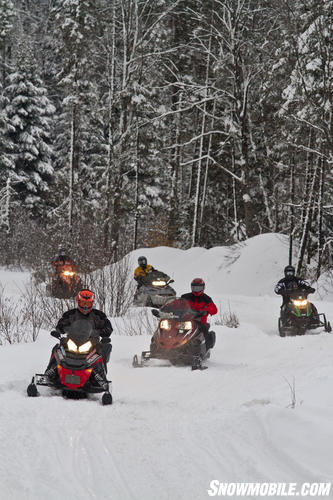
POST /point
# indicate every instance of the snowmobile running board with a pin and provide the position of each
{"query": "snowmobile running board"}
(146, 356)
(42, 379)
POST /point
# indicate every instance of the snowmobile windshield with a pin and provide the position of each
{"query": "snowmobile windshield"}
(299, 294)
(80, 330)
(156, 276)
(179, 309)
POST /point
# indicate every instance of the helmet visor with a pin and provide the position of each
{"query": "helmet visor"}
(197, 287)
(290, 273)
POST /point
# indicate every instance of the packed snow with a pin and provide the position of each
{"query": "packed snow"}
(171, 431)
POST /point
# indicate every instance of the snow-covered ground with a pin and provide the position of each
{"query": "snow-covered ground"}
(171, 431)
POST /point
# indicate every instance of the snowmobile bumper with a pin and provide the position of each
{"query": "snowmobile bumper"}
(88, 388)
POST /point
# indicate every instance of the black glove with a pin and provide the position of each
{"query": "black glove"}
(55, 334)
(105, 340)
(311, 290)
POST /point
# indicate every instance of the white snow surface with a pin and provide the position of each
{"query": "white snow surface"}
(171, 431)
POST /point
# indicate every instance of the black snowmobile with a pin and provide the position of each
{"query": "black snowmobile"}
(300, 315)
(154, 290)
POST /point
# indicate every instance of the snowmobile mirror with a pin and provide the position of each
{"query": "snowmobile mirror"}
(55, 334)
(155, 312)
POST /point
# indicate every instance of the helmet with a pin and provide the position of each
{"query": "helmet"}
(85, 300)
(198, 286)
(62, 251)
(289, 272)
(142, 261)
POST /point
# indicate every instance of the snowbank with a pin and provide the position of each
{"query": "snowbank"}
(250, 268)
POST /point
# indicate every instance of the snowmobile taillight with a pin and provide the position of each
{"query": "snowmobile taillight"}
(165, 324)
(158, 283)
(300, 303)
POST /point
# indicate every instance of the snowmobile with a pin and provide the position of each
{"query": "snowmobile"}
(300, 316)
(178, 338)
(155, 290)
(64, 285)
(78, 368)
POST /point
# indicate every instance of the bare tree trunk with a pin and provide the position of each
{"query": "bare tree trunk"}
(235, 208)
(201, 144)
(307, 221)
(136, 200)
(320, 244)
(71, 170)
(292, 214)
(173, 209)
(110, 164)
(267, 206)
(204, 193)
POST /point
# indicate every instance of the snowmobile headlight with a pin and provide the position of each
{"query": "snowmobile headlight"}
(186, 325)
(71, 345)
(68, 273)
(85, 347)
(165, 324)
(158, 283)
(300, 303)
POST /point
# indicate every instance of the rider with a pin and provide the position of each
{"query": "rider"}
(102, 326)
(142, 270)
(201, 302)
(288, 284)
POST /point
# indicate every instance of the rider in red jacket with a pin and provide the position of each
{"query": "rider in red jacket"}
(201, 302)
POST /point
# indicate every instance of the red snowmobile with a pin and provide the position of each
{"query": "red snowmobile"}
(178, 338)
(78, 365)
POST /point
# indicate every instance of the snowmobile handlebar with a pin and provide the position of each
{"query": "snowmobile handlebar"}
(55, 334)
(301, 289)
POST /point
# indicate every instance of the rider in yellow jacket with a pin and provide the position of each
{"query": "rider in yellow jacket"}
(142, 270)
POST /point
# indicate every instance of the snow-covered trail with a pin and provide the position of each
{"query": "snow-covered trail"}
(171, 431)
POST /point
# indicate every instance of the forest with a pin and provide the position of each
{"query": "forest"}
(139, 123)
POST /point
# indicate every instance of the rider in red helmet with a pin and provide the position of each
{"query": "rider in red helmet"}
(102, 326)
(201, 302)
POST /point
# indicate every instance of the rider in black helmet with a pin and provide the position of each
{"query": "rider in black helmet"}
(288, 284)
(142, 270)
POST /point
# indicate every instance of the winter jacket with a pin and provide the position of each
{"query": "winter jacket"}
(141, 272)
(201, 303)
(101, 324)
(286, 286)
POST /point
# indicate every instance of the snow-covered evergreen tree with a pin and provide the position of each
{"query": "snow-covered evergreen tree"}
(28, 114)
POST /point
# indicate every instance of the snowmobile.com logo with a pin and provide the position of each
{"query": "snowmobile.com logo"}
(275, 490)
